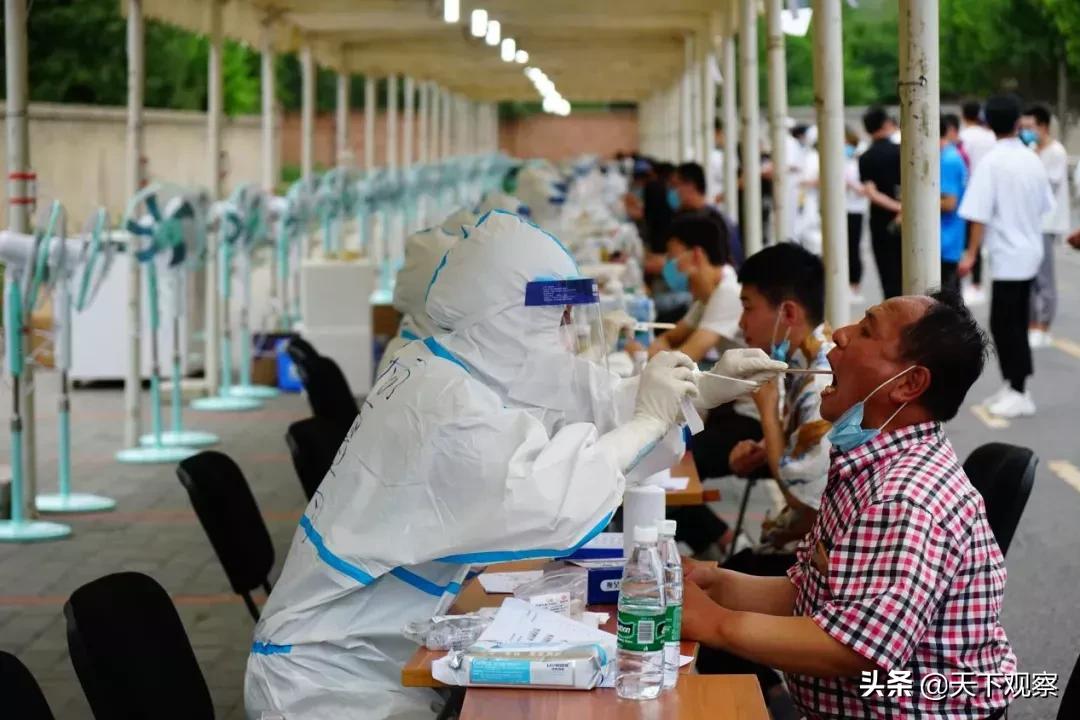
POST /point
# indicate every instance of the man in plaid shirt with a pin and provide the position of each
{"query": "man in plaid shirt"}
(900, 576)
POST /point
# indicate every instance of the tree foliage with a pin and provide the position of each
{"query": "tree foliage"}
(78, 55)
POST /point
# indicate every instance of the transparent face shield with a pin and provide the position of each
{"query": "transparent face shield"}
(572, 375)
(581, 329)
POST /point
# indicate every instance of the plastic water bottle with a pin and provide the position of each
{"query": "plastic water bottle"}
(673, 595)
(640, 653)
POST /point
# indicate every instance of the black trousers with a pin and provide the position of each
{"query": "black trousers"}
(854, 241)
(976, 272)
(885, 241)
(949, 279)
(1009, 317)
(698, 526)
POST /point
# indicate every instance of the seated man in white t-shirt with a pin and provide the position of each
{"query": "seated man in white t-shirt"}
(697, 250)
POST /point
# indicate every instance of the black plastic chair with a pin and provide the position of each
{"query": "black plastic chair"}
(313, 443)
(300, 350)
(328, 392)
(1069, 709)
(229, 515)
(22, 694)
(131, 653)
(1003, 474)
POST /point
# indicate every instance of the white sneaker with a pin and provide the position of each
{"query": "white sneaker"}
(1013, 404)
(1036, 338)
(997, 395)
(974, 295)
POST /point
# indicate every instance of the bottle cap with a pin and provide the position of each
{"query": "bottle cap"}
(667, 528)
(644, 534)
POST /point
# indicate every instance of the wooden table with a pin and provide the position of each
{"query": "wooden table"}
(704, 697)
(693, 493)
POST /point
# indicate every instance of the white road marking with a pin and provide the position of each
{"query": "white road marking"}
(1067, 346)
(1067, 472)
(992, 422)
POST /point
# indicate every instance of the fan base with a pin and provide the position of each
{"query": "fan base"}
(149, 455)
(74, 502)
(220, 403)
(181, 438)
(253, 391)
(32, 531)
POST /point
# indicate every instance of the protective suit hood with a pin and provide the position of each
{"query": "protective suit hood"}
(424, 251)
(495, 200)
(456, 222)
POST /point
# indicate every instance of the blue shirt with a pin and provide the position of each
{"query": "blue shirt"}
(954, 177)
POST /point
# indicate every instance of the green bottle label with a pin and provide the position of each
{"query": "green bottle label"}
(673, 624)
(642, 632)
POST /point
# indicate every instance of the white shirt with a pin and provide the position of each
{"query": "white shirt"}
(977, 141)
(720, 314)
(714, 182)
(856, 202)
(1056, 162)
(1010, 193)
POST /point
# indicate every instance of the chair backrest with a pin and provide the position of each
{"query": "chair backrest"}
(300, 350)
(131, 653)
(22, 696)
(328, 392)
(1069, 709)
(313, 444)
(229, 515)
(1003, 474)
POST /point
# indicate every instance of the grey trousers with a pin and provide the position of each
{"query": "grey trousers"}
(1044, 297)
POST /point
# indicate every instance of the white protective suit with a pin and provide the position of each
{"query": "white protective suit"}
(450, 465)
(496, 200)
(540, 187)
(423, 252)
(456, 222)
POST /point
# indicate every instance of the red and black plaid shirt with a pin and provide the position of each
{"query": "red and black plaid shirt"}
(901, 567)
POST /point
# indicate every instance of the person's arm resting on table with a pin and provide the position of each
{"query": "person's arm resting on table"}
(885, 576)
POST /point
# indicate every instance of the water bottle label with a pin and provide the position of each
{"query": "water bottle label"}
(642, 633)
(673, 623)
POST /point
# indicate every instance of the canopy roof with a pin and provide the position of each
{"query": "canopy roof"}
(593, 50)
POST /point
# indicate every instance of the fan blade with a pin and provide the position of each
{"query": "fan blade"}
(136, 228)
(152, 207)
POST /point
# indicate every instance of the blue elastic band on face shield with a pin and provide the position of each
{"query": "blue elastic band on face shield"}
(582, 291)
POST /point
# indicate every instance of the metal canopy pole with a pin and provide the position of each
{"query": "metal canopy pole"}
(829, 94)
(731, 124)
(751, 130)
(391, 129)
(447, 150)
(407, 129)
(212, 324)
(920, 152)
(341, 122)
(307, 112)
(708, 102)
(422, 118)
(370, 111)
(269, 166)
(135, 150)
(778, 110)
(686, 102)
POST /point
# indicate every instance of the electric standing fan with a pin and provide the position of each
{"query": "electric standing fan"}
(232, 224)
(193, 236)
(87, 263)
(25, 258)
(157, 219)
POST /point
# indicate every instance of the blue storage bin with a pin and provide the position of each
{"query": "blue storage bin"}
(288, 377)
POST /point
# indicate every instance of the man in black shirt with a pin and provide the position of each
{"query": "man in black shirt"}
(688, 189)
(879, 169)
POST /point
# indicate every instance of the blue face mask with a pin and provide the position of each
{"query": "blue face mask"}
(673, 199)
(676, 279)
(1028, 136)
(849, 151)
(780, 350)
(847, 432)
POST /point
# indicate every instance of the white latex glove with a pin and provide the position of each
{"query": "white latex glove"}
(740, 370)
(665, 382)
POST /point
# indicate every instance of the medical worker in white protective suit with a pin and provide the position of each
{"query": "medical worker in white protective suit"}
(461, 456)
(498, 200)
(423, 251)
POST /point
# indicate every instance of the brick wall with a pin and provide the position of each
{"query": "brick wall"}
(540, 135)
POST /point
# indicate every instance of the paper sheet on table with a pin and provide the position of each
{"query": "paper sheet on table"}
(519, 622)
(507, 582)
(666, 480)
